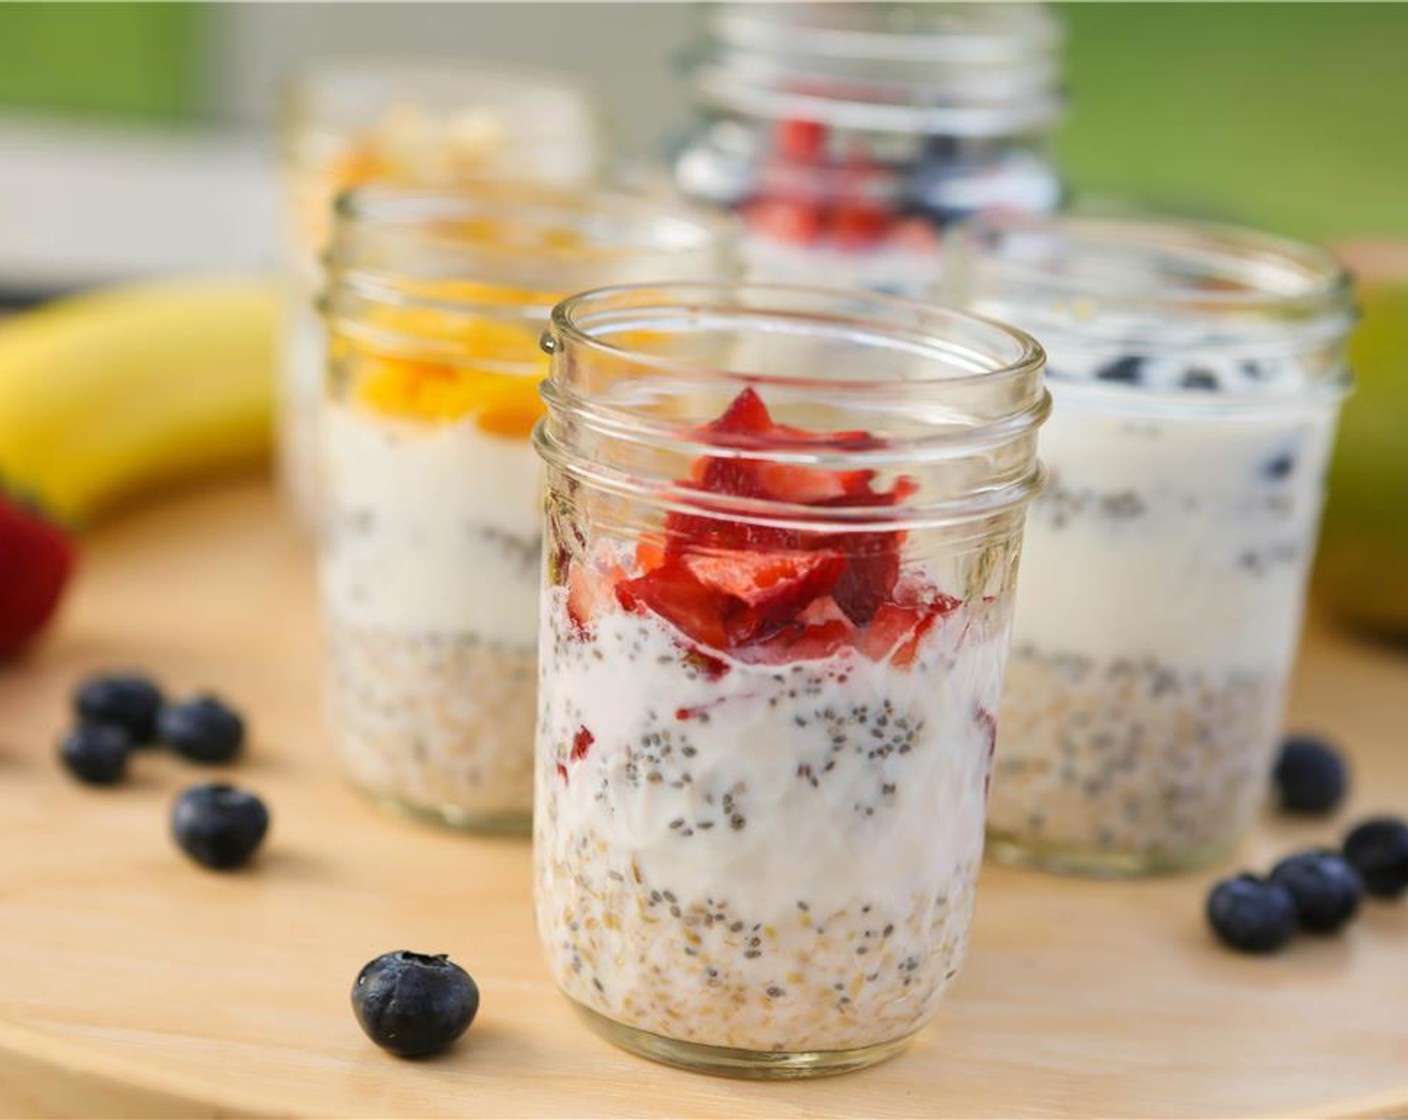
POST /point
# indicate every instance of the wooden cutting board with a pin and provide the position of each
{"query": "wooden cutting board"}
(133, 983)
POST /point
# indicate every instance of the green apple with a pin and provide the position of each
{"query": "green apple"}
(1362, 571)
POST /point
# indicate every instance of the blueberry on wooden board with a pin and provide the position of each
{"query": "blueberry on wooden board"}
(203, 729)
(218, 825)
(96, 753)
(128, 700)
(1327, 890)
(1252, 915)
(414, 1004)
(1378, 849)
(1311, 775)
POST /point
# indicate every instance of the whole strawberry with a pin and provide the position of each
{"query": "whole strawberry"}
(36, 559)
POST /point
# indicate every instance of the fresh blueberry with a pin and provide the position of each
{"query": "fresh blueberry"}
(96, 753)
(1199, 379)
(1378, 849)
(202, 729)
(1280, 467)
(413, 1004)
(1311, 775)
(1251, 914)
(1326, 889)
(1129, 370)
(218, 825)
(125, 699)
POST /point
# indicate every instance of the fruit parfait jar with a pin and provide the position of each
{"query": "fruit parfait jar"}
(849, 136)
(782, 534)
(413, 122)
(432, 537)
(1197, 374)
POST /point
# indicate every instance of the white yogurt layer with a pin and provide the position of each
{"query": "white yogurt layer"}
(431, 528)
(1159, 604)
(1184, 540)
(778, 858)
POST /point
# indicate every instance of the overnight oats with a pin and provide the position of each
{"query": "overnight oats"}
(432, 539)
(409, 122)
(849, 137)
(1196, 374)
(774, 626)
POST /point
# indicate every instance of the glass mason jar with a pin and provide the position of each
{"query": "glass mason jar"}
(413, 122)
(1197, 373)
(782, 533)
(849, 135)
(432, 535)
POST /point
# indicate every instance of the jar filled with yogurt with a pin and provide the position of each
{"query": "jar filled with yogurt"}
(430, 552)
(412, 122)
(850, 135)
(1197, 373)
(782, 535)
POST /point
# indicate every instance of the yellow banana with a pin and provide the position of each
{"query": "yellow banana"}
(108, 394)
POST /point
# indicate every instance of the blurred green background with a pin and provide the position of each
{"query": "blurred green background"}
(1289, 116)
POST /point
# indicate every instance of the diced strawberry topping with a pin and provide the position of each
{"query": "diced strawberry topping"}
(795, 221)
(859, 225)
(581, 744)
(800, 139)
(763, 590)
(767, 593)
(746, 413)
(672, 592)
(712, 667)
(590, 590)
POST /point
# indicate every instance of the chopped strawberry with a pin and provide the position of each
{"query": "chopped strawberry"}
(673, 592)
(650, 553)
(765, 590)
(589, 592)
(746, 413)
(712, 667)
(822, 610)
(691, 531)
(801, 642)
(795, 221)
(801, 140)
(788, 482)
(868, 581)
(897, 628)
(561, 772)
(36, 558)
(581, 744)
(859, 225)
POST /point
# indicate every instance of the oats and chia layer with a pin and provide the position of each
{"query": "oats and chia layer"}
(774, 857)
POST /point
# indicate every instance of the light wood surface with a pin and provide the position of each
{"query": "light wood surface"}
(132, 983)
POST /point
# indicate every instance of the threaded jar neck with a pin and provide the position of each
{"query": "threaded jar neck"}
(641, 377)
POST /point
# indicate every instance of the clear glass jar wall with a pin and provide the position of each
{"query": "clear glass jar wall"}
(431, 546)
(850, 135)
(411, 122)
(782, 534)
(1197, 374)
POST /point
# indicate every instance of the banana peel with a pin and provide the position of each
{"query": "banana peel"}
(111, 394)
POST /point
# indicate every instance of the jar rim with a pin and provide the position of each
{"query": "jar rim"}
(608, 227)
(696, 298)
(931, 69)
(1239, 269)
(1154, 286)
(965, 426)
